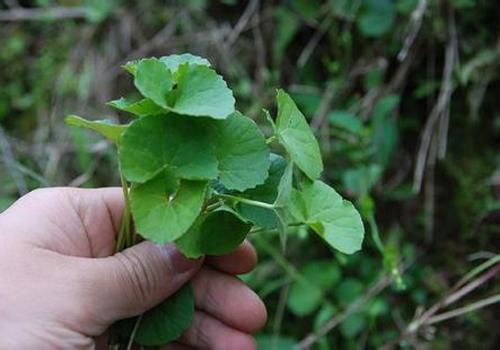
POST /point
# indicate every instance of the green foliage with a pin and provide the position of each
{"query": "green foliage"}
(163, 323)
(338, 60)
(187, 136)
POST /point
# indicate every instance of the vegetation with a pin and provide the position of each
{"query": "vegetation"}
(401, 95)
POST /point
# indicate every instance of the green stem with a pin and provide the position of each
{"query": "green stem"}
(124, 238)
(247, 201)
(375, 233)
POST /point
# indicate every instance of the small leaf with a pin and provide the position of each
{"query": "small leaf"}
(267, 193)
(321, 276)
(331, 217)
(140, 108)
(107, 129)
(200, 92)
(163, 211)
(276, 342)
(174, 61)
(154, 143)
(297, 138)
(164, 323)
(377, 17)
(242, 153)
(154, 80)
(217, 233)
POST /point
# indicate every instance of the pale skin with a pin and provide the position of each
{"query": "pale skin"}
(61, 286)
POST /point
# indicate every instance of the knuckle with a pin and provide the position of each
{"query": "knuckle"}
(135, 275)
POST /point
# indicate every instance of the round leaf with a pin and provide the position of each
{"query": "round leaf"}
(162, 212)
(158, 142)
(164, 323)
(201, 92)
(242, 153)
(218, 233)
(154, 80)
(174, 61)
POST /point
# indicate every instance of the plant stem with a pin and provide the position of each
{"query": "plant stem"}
(375, 233)
(247, 201)
(134, 332)
(463, 310)
(124, 239)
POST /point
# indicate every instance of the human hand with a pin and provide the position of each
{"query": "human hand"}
(62, 287)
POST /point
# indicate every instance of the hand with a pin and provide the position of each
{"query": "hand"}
(62, 287)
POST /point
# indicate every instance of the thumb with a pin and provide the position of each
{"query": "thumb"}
(133, 281)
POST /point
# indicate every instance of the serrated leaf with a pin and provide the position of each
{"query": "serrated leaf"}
(304, 298)
(154, 143)
(242, 153)
(154, 80)
(139, 108)
(200, 92)
(107, 129)
(267, 193)
(174, 61)
(162, 210)
(216, 233)
(331, 217)
(164, 323)
(295, 135)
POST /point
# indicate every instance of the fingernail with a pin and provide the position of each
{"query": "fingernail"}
(179, 263)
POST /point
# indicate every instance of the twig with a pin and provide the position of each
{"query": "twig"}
(463, 310)
(313, 43)
(251, 8)
(456, 293)
(375, 289)
(157, 40)
(415, 25)
(280, 311)
(438, 111)
(40, 14)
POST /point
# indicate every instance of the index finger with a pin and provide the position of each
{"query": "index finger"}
(240, 261)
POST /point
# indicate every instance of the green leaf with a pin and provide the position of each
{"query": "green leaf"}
(385, 129)
(201, 92)
(377, 17)
(107, 129)
(353, 325)
(174, 61)
(348, 291)
(216, 233)
(267, 192)
(346, 121)
(140, 108)
(304, 297)
(154, 80)
(164, 208)
(242, 153)
(164, 323)
(271, 342)
(331, 217)
(285, 187)
(154, 143)
(297, 138)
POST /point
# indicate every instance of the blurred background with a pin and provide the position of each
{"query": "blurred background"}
(403, 96)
